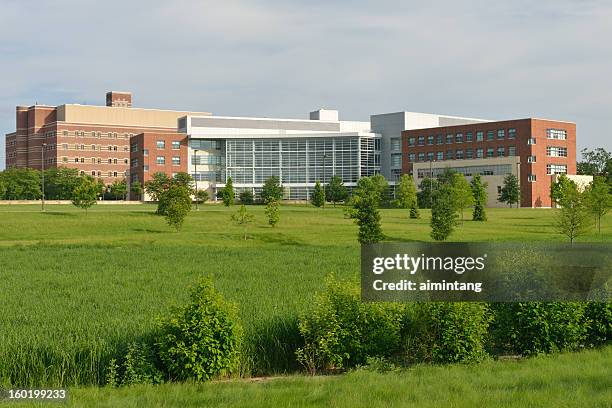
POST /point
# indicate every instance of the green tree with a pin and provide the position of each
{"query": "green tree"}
(2, 188)
(176, 204)
(598, 199)
(243, 218)
(136, 189)
(510, 192)
(573, 220)
(443, 212)
(594, 162)
(118, 189)
(336, 191)
(462, 192)
(272, 190)
(380, 186)
(85, 194)
(272, 212)
(318, 196)
(22, 184)
(426, 189)
(60, 183)
(479, 191)
(183, 179)
(366, 200)
(201, 196)
(156, 185)
(227, 193)
(561, 188)
(246, 197)
(405, 195)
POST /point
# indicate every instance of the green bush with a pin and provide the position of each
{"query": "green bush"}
(139, 366)
(200, 340)
(598, 316)
(536, 327)
(246, 197)
(447, 332)
(340, 331)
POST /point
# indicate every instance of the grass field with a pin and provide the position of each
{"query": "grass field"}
(75, 289)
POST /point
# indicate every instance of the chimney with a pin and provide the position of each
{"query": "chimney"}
(121, 99)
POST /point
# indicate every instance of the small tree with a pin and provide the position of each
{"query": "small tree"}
(510, 192)
(598, 199)
(365, 211)
(463, 193)
(246, 197)
(560, 189)
(136, 189)
(336, 191)
(380, 186)
(573, 219)
(243, 218)
(227, 193)
(273, 213)
(479, 191)
(156, 185)
(85, 194)
(272, 190)
(201, 196)
(318, 196)
(426, 189)
(176, 204)
(405, 195)
(118, 189)
(443, 212)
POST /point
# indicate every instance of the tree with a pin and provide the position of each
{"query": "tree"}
(443, 212)
(560, 189)
(573, 220)
(272, 211)
(380, 186)
(201, 196)
(21, 184)
(85, 194)
(598, 199)
(183, 179)
(136, 189)
(118, 189)
(595, 162)
(462, 192)
(336, 191)
(272, 190)
(318, 196)
(479, 192)
(426, 189)
(227, 193)
(366, 200)
(246, 197)
(176, 204)
(243, 218)
(510, 192)
(60, 183)
(156, 185)
(405, 195)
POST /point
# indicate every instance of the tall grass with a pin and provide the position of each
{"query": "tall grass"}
(74, 290)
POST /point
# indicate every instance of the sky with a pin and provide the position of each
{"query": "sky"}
(475, 58)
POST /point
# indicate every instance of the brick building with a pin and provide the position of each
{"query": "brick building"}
(94, 139)
(535, 149)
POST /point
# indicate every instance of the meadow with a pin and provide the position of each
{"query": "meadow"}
(77, 288)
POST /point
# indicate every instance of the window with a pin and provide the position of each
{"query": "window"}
(421, 156)
(469, 154)
(531, 159)
(110, 161)
(176, 160)
(449, 155)
(76, 159)
(65, 146)
(558, 134)
(468, 137)
(459, 155)
(501, 133)
(115, 148)
(161, 144)
(396, 160)
(114, 172)
(479, 136)
(501, 151)
(430, 156)
(490, 152)
(411, 157)
(531, 141)
(511, 133)
(93, 173)
(145, 167)
(531, 178)
(125, 161)
(511, 150)
(490, 134)
(440, 139)
(421, 140)
(82, 160)
(93, 160)
(161, 160)
(440, 156)
(395, 144)
(556, 169)
(430, 140)
(459, 138)
(449, 139)
(145, 152)
(556, 151)
(411, 141)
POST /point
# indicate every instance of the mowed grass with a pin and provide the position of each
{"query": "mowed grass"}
(76, 288)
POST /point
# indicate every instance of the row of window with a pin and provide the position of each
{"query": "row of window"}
(109, 174)
(99, 135)
(468, 171)
(458, 154)
(556, 151)
(461, 137)
(161, 160)
(93, 147)
(96, 160)
(161, 144)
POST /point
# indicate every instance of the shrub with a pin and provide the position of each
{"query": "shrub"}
(246, 197)
(174, 204)
(340, 331)
(200, 340)
(598, 316)
(273, 213)
(139, 366)
(447, 332)
(535, 327)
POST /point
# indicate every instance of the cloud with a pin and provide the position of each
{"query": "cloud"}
(489, 59)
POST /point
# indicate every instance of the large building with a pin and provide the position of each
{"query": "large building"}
(119, 141)
(533, 149)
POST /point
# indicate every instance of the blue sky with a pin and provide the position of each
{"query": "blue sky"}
(486, 59)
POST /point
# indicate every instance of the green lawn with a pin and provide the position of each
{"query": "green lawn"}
(75, 288)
